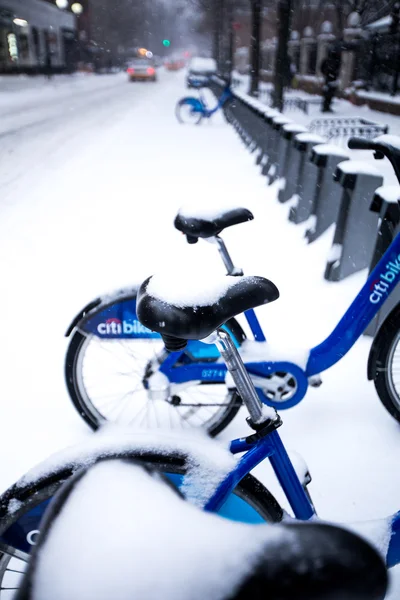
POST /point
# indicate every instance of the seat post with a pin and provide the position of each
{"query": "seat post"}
(223, 251)
(259, 414)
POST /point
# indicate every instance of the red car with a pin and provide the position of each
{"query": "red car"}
(174, 65)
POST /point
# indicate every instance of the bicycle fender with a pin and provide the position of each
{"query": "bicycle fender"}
(115, 318)
(191, 101)
(76, 320)
(97, 305)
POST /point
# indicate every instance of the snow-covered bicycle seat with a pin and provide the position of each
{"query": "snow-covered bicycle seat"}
(121, 531)
(185, 306)
(207, 222)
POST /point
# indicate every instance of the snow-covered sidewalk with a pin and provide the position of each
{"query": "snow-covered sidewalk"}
(96, 212)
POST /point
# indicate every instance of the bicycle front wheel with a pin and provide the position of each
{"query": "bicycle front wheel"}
(22, 508)
(188, 114)
(387, 365)
(105, 380)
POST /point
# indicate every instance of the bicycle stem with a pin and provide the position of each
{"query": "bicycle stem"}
(240, 377)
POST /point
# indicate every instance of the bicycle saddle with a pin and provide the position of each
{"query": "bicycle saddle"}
(383, 145)
(197, 223)
(181, 308)
(119, 531)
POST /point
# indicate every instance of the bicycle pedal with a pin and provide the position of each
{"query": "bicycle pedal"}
(315, 381)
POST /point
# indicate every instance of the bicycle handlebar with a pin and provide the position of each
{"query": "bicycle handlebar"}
(356, 143)
(384, 145)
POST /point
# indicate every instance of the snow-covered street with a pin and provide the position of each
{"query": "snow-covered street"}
(92, 172)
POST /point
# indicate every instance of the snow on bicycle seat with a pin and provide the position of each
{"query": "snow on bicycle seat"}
(121, 531)
(187, 306)
(203, 222)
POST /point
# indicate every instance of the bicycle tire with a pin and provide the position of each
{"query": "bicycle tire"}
(86, 408)
(197, 116)
(386, 346)
(27, 497)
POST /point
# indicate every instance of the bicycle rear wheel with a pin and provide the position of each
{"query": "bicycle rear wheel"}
(105, 380)
(22, 508)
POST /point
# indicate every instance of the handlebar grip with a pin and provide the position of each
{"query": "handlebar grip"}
(358, 143)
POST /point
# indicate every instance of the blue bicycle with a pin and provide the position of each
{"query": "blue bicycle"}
(193, 110)
(117, 370)
(280, 559)
(207, 474)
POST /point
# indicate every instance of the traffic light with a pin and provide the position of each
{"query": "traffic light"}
(166, 43)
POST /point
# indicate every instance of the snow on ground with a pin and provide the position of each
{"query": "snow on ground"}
(88, 196)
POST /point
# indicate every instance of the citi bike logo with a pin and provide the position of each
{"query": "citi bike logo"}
(380, 286)
(117, 327)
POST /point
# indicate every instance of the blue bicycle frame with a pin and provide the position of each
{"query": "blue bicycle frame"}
(225, 96)
(199, 105)
(271, 447)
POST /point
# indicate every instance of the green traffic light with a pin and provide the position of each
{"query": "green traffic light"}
(166, 43)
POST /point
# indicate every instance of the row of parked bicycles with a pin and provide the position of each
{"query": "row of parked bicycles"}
(166, 361)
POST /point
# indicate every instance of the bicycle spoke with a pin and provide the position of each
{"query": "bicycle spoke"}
(115, 392)
(15, 571)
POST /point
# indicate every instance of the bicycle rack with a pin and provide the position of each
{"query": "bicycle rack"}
(287, 164)
(356, 226)
(334, 128)
(303, 182)
(325, 201)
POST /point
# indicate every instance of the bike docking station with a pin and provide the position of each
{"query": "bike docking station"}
(270, 135)
(320, 181)
(325, 209)
(271, 167)
(356, 225)
(302, 177)
(264, 136)
(286, 167)
(385, 203)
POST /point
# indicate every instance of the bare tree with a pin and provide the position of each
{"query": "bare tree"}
(282, 62)
(212, 15)
(255, 46)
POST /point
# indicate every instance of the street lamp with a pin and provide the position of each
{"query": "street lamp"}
(77, 8)
(62, 4)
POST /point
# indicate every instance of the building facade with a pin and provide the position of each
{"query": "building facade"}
(36, 36)
(370, 52)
